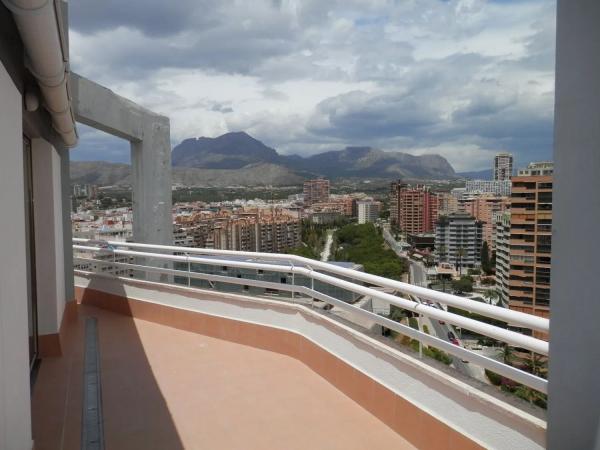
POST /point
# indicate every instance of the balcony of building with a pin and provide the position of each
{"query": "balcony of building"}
(193, 358)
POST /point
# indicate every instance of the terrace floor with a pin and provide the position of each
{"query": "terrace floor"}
(164, 388)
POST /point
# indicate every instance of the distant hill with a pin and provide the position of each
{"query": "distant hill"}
(229, 151)
(238, 150)
(486, 174)
(367, 162)
(260, 174)
(100, 173)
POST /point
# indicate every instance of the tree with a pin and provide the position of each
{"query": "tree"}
(464, 284)
(485, 258)
(490, 294)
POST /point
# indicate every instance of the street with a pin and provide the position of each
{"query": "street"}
(418, 277)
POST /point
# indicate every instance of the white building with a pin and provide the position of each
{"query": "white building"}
(534, 169)
(458, 240)
(498, 187)
(502, 240)
(368, 211)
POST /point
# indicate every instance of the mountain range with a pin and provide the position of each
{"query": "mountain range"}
(239, 159)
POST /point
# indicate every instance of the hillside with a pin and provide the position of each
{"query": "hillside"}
(239, 159)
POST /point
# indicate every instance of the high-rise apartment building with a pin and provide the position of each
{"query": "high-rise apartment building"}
(531, 239)
(503, 166)
(368, 211)
(502, 241)
(458, 240)
(483, 208)
(316, 191)
(413, 209)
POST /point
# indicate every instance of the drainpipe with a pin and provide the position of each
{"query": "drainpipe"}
(38, 26)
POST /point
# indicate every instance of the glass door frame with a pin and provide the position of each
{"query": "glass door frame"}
(32, 309)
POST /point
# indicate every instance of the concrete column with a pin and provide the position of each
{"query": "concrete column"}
(574, 389)
(151, 173)
(15, 410)
(65, 176)
(49, 244)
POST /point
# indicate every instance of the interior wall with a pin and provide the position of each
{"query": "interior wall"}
(15, 410)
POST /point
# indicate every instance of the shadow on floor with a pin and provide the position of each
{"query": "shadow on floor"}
(135, 413)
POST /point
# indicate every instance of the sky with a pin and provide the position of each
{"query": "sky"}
(461, 78)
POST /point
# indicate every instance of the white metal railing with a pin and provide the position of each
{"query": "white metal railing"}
(330, 274)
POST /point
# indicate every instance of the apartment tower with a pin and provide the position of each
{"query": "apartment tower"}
(316, 191)
(503, 166)
(531, 239)
(502, 241)
(413, 209)
(458, 240)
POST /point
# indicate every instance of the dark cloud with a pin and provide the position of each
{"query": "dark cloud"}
(151, 17)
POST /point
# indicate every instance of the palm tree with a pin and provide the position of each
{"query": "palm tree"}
(460, 253)
(507, 354)
(537, 365)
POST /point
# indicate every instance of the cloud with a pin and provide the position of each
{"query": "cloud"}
(465, 78)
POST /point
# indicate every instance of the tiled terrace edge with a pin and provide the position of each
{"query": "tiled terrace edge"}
(424, 405)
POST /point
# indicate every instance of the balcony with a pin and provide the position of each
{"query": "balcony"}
(166, 386)
(184, 363)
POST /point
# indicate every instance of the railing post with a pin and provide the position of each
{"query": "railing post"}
(293, 281)
(189, 269)
(420, 342)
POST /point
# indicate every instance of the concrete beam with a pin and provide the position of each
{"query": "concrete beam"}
(102, 109)
(150, 138)
(574, 391)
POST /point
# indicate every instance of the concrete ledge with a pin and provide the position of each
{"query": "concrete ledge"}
(424, 405)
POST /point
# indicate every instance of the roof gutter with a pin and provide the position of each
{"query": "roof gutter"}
(38, 26)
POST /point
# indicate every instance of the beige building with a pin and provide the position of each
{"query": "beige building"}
(483, 208)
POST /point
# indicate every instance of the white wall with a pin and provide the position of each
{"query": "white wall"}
(49, 248)
(574, 390)
(15, 414)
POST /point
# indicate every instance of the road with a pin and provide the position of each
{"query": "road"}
(418, 273)
(327, 248)
(418, 277)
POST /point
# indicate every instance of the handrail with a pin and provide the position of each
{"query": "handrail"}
(511, 337)
(514, 318)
